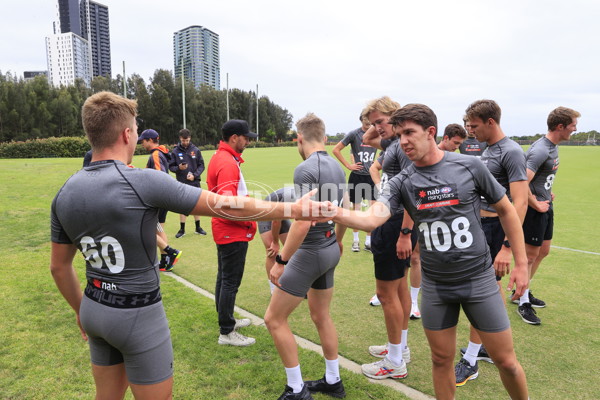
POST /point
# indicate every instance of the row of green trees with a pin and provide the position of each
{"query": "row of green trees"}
(34, 109)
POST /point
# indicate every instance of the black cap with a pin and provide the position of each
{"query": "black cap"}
(237, 127)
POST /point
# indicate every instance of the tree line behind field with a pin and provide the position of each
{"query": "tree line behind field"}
(35, 110)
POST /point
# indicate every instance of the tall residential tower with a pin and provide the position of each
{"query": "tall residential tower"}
(80, 45)
(197, 49)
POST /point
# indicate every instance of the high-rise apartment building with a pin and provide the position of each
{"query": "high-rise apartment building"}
(80, 45)
(197, 50)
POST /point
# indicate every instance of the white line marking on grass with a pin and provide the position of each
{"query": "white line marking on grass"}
(579, 251)
(306, 344)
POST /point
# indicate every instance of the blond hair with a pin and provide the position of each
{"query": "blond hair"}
(311, 127)
(384, 105)
(105, 115)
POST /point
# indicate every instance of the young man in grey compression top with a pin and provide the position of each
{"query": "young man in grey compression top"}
(360, 183)
(442, 192)
(109, 212)
(306, 265)
(505, 159)
(542, 166)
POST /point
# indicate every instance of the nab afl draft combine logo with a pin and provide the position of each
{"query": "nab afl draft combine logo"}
(436, 196)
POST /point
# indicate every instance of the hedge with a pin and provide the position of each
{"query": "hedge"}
(78, 146)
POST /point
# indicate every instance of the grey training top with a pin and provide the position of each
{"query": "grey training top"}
(542, 159)
(320, 171)
(394, 162)
(110, 211)
(444, 200)
(506, 161)
(472, 147)
(361, 152)
(285, 194)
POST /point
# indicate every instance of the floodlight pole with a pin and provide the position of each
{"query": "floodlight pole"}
(257, 110)
(124, 82)
(183, 93)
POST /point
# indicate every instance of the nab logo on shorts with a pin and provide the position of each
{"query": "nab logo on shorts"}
(436, 196)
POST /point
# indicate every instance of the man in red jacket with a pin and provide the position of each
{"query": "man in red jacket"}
(232, 237)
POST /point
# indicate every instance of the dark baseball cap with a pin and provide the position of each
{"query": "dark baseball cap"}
(237, 127)
(148, 134)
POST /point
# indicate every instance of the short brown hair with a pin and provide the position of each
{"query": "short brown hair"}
(105, 115)
(455, 130)
(384, 105)
(484, 110)
(561, 115)
(311, 127)
(420, 114)
(184, 133)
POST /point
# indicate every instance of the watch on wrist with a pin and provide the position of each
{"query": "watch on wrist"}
(506, 244)
(406, 231)
(279, 260)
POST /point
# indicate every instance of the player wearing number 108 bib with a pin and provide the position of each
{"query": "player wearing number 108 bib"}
(441, 192)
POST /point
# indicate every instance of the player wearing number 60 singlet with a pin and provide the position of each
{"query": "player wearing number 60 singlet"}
(360, 183)
(109, 212)
(442, 193)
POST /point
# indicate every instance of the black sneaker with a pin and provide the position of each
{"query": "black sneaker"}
(200, 231)
(163, 262)
(321, 386)
(481, 356)
(288, 394)
(172, 260)
(535, 302)
(464, 372)
(179, 234)
(528, 314)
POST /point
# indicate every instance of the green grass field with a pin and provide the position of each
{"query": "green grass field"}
(42, 355)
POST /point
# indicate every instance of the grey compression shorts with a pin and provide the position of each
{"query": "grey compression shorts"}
(265, 226)
(479, 297)
(310, 268)
(139, 337)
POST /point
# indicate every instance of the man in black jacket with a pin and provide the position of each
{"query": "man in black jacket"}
(188, 165)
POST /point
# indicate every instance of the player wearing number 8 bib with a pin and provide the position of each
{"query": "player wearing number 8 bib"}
(542, 165)
(442, 193)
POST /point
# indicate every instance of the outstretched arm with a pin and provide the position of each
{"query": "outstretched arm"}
(366, 220)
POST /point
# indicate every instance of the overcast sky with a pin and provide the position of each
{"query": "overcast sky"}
(331, 57)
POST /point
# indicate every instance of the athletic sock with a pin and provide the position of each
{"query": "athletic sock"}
(169, 250)
(368, 240)
(182, 226)
(472, 352)
(395, 353)
(525, 298)
(332, 371)
(294, 378)
(414, 294)
(197, 224)
(355, 236)
(272, 286)
(404, 339)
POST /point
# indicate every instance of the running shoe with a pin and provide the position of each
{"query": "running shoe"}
(163, 262)
(235, 338)
(528, 314)
(288, 394)
(414, 311)
(465, 372)
(172, 259)
(241, 323)
(321, 386)
(180, 233)
(481, 356)
(200, 231)
(382, 351)
(383, 369)
(355, 246)
(367, 247)
(535, 302)
(374, 301)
